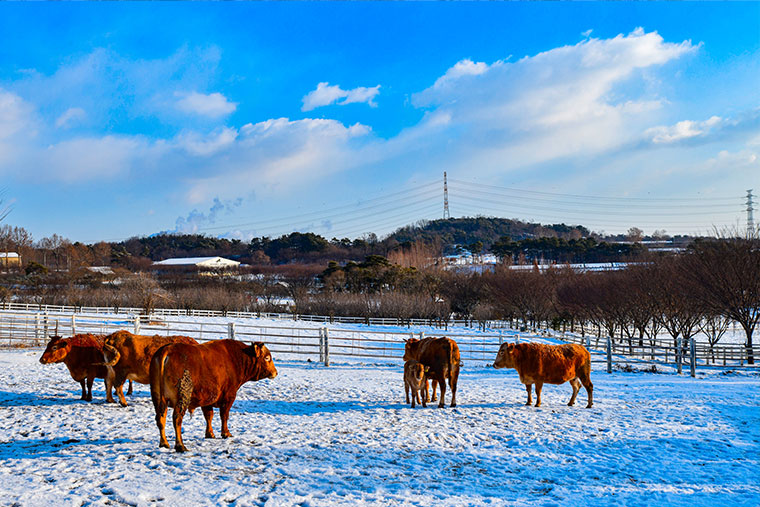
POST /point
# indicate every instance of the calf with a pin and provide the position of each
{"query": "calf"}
(441, 356)
(415, 380)
(186, 376)
(541, 364)
(129, 355)
(83, 356)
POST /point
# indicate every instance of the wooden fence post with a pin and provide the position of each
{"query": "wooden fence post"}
(609, 354)
(37, 329)
(422, 335)
(321, 345)
(588, 343)
(679, 359)
(137, 324)
(327, 346)
(73, 325)
(693, 356)
(231, 330)
(47, 323)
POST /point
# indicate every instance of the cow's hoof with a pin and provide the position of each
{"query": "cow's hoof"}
(453, 405)
(123, 403)
(180, 448)
(441, 406)
(110, 401)
(226, 435)
(163, 444)
(210, 435)
(570, 404)
(589, 405)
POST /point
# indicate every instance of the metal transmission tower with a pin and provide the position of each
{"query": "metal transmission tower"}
(750, 211)
(446, 213)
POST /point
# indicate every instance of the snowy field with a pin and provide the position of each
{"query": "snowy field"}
(343, 436)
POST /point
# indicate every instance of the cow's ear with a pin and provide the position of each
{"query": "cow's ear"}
(406, 341)
(427, 369)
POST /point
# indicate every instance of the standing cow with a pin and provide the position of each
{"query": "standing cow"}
(83, 356)
(441, 356)
(415, 380)
(541, 364)
(209, 375)
(128, 356)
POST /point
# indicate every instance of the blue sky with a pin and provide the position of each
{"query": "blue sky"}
(249, 119)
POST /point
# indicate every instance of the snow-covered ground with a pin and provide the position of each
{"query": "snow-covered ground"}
(343, 436)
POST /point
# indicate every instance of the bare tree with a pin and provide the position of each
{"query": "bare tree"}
(724, 275)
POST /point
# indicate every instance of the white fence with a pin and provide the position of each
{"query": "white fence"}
(31, 328)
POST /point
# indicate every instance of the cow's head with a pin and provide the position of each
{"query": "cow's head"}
(505, 357)
(411, 349)
(56, 351)
(263, 359)
(415, 373)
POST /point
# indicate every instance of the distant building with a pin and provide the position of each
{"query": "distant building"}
(101, 270)
(203, 263)
(9, 259)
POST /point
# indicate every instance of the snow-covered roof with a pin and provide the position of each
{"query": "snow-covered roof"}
(205, 262)
(103, 270)
(9, 255)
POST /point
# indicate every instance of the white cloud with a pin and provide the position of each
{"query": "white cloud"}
(570, 101)
(682, 130)
(95, 158)
(71, 115)
(213, 105)
(205, 145)
(15, 114)
(325, 94)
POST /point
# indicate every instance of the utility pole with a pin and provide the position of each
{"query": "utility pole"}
(750, 217)
(446, 213)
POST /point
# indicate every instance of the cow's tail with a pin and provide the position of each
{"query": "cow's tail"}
(111, 356)
(157, 379)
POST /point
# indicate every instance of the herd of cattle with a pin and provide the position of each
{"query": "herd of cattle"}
(186, 375)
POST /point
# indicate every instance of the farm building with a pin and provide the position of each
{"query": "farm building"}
(10, 259)
(203, 263)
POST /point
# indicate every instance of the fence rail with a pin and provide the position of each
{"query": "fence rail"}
(31, 328)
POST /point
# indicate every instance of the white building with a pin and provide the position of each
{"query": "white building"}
(199, 262)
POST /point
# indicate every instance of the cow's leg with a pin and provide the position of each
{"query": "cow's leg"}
(84, 390)
(529, 388)
(118, 381)
(129, 391)
(208, 414)
(90, 380)
(406, 391)
(160, 406)
(109, 386)
(224, 414)
(432, 383)
(442, 384)
(539, 385)
(453, 379)
(576, 385)
(415, 396)
(584, 375)
(425, 393)
(177, 415)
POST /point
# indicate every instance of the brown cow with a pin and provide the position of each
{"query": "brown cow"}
(415, 380)
(129, 355)
(441, 355)
(209, 375)
(541, 364)
(83, 356)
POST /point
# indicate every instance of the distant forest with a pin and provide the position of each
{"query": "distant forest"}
(520, 241)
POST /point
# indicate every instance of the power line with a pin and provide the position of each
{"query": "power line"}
(596, 197)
